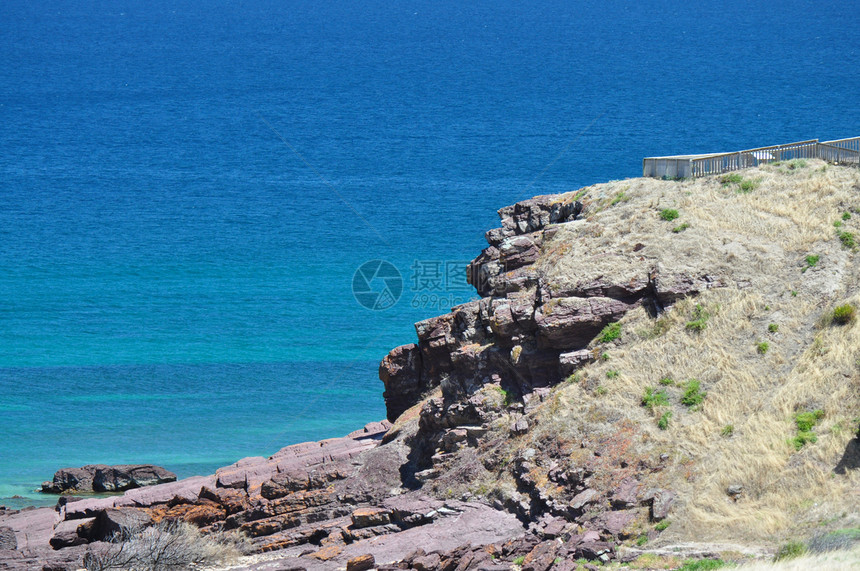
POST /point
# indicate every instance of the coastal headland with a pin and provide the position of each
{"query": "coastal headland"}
(656, 371)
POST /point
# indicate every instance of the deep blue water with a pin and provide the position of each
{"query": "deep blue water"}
(187, 188)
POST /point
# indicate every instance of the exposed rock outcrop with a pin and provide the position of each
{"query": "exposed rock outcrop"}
(102, 478)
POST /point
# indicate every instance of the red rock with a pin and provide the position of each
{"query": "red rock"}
(361, 563)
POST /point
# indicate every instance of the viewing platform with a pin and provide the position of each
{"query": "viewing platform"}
(840, 151)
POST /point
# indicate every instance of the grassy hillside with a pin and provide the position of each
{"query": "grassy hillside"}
(745, 400)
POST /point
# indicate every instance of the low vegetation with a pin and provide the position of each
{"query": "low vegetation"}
(167, 545)
(693, 396)
(610, 333)
(700, 319)
(669, 214)
(843, 314)
(811, 261)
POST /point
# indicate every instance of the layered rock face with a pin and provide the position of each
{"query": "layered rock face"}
(527, 331)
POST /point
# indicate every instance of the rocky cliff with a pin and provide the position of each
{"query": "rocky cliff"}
(652, 365)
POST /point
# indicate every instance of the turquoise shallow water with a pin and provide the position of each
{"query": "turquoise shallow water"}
(186, 189)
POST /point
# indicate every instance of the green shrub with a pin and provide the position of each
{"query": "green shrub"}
(811, 260)
(728, 430)
(796, 164)
(619, 197)
(837, 224)
(663, 525)
(666, 381)
(669, 214)
(611, 374)
(601, 390)
(663, 423)
(762, 347)
(642, 540)
(843, 314)
(519, 560)
(806, 420)
(681, 228)
(847, 239)
(748, 186)
(773, 327)
(846, 216)
(654, 398)
(790, 550)
(803, 438)
(700, 319)
(692, 395)
(507, 396)
(733, 178)
(610, 333)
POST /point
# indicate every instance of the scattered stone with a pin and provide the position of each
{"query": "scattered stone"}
(521, 426)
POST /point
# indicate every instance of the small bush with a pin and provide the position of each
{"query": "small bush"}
(747, 186)
(841, 539)
(802, 439)
(167, 545)
(843, 315)
(847, 239)
(669, 214)
(681, 228)
(507, 397)
(773, 327)
(733, 178)
(789, 550)
(519, 560)
(811, 260)
(610, 333)
(762, 347)
(612, 374)
(619, 197)
(692, 395)
(663, 423)
(642, 540)
(806, 420)
(666, 381)
(837, 224)
(700, 319)
(663, 525)
(846, 216)
(728, 430)
(654, 398)
(796, 164)
(601, 390)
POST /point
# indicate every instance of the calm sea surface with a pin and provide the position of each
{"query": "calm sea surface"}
(188, 188)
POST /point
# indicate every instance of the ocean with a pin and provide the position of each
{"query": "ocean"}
(190, 191)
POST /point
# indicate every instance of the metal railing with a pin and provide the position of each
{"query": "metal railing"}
(840, 151)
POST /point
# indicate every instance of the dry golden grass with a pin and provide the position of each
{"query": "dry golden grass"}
(755, 243)
(833, 561)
